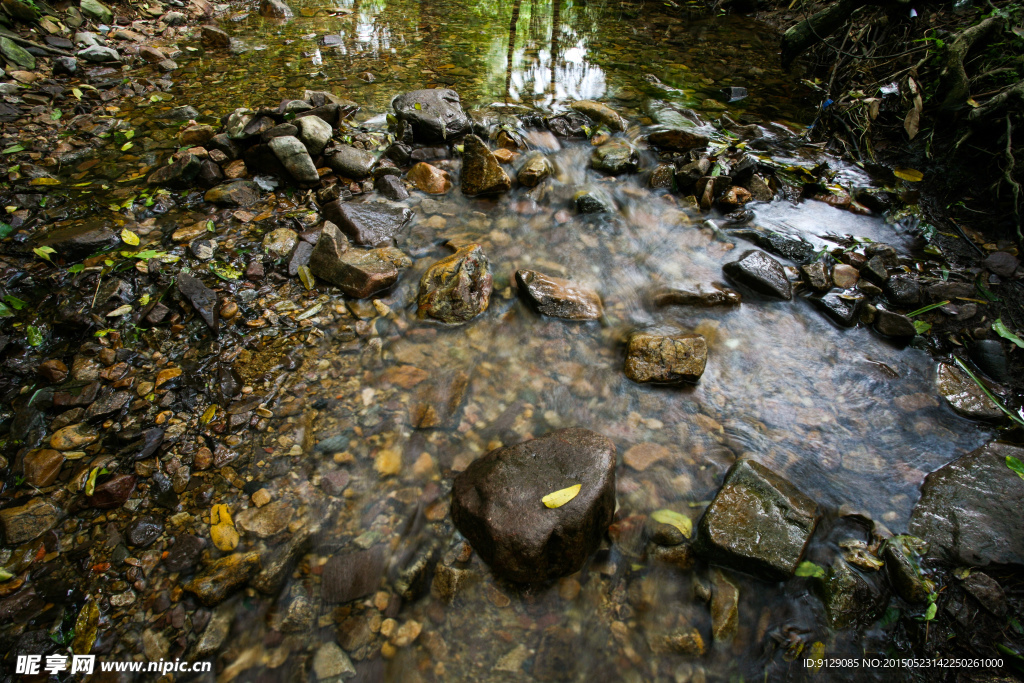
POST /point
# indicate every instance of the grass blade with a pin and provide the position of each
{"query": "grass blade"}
(999, 404)
(927, 308)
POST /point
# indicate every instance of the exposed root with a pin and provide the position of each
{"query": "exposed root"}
(953, 77)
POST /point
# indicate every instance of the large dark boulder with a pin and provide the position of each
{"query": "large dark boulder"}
(433, 115)
(496, 504)
(761, 273)
(368, 224)
(969, 510)
(758, 523)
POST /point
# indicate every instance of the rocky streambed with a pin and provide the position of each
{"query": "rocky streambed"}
(296, 410)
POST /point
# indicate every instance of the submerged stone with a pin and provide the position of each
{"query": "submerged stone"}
(615, 157)
(496, 504)
(969, 511)
(705, 296)
(457, 288)
(665, 359)
(757, 523)
(679, 139)
(221, 577)
(559, 298)
(601, 113)
(535, 169)
(354, 575)
(29, 521)
(179, 173)
(963, 394)
(429, 179)
(851, 598)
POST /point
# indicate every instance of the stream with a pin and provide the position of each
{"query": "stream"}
(339, 437)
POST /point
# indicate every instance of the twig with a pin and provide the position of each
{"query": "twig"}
(1008, 172)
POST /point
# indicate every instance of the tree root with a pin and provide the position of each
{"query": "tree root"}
(996, 105)
(815, 28)
(953, 78)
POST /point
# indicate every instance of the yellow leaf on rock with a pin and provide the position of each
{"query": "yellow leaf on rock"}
(85, 628)
(129, 237)
(560, 498)
(44, 181)
(673, 518)
(222, 529)
(817, 654)
(908, 174)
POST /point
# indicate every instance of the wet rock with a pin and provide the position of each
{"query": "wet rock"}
(842, 308)
(679, 139)
(593, 200)
(113, 492)
(210, 174)
(457, 288)
(963, 395)
(67, 66)
(903, 291)
(496, 504)
(758, 523)
(434, 115)
(351, 162)
(183, 113)
(535, 169)
(29, 521)
(429, 179)
(1002, 263)
(53, 371)
(183, 555)
(367, 224)
(275, 9)
(601, 113)
(355, 575)
(850, 598)
(482, 174)
(558, 657)
(79, 240)
(705, 296)
(615, 157)
(845, 276)
(816, 276)
(73, 437)
(218, 579)
(215, 633)
(94, 9)
(266, 521)
(99, 54)
(759, 189)
(196, 135)
(782, 244)
(107, 403)
(559, 298)
(314, 133)
(300, 257)
(16, 54)
(875, 271)
(665, 359)
(893, 324)
(215, 38)
(990, 357)
(240, 193)
(331, 663)
(360, 274)
(203, 249)
(571, 124)
(202, 298)
(391, 187)
(725, 603)
(279, 243)
(142, 532)
(901, 555)
(986, 591)
(761, 273)
(42, 466)
(295, 158)
(179, 173)
(969, 510)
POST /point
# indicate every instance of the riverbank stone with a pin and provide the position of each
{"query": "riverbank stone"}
(557, 297)
(601, 113)
(758, 523)
(761, 273)
(31, 520)
(482, 174)
(969, 512)
(350, 162)
(665, 359)
(496, 504)
(457, 288)
(535, 169)
(367, 224)
(963, 395)
(433, 115)
(294, 156)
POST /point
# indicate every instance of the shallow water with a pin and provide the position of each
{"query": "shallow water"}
(848, 417)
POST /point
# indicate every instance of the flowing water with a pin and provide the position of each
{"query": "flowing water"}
(848, 417)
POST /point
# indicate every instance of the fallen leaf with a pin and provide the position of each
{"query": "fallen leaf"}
(809, 569)
(561, 497)
(673, 518)
(130, 237)
(1000, 328)
(908, 174)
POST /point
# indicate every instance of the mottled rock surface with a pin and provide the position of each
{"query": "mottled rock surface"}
(457, 288)
(434, 115)
(665, 359)
(496, 504)
(482, 174)
(761, 273)
(559, 298)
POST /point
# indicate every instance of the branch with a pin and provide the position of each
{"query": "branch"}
(953, 77)
(997, 104)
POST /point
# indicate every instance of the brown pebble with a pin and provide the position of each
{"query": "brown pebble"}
(229, 310)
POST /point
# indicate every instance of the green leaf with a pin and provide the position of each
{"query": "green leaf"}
(673, 518)
(5, 230)
(810, 570)
(77, 93)
(16, 303)
(417, 106)
(927, 308)
(90, 483)
(103, 333)
(559, 498)
(35, 337)
(127, 146)
(922, 327)
(5, 311)
(999, 327)
(225, 271)
(56, 114)
(929, 613)
(144, 300)
(1016, 465)
(44, 252)
(14, 149)
(77, 268)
